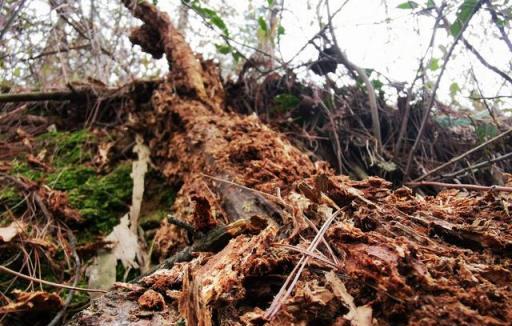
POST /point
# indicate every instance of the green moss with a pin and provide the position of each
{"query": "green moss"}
(19, 168)
(9, 197)
(103, 199)
(152, 219)
(70, 177)
(69, 147)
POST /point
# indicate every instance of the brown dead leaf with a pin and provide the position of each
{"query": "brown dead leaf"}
(32, 301)
(36, 161)
(359, 316)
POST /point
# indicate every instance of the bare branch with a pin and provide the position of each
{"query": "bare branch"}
(372, 98)
(494, 17)
(460, 157)
(434, 91)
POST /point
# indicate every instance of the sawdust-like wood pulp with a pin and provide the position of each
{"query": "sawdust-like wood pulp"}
(402, 259)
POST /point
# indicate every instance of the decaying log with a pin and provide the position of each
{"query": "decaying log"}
(401, 259)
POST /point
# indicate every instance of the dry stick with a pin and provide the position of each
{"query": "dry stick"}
(472, 49)
(372, 98)
(471, 151)
(33, 279)
(324, 242)
(478, 165)
(434, 92)
(60, 314)
(280, 200)
(11, 18)
(286, 290)
(495, 19)
(459, 185)
(308, 253)
(40, 96)
(405, 119)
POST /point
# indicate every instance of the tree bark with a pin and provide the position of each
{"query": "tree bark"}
(246, 188)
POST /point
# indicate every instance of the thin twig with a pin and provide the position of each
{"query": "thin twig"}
(407, 110)
(372, 98)
(308, 253)
(494, 17)
(11, 18)
(67, 302)
(292, 279)
(460, 157)
(478, 165)
(459, 186)
(57, 285)
(434, 91)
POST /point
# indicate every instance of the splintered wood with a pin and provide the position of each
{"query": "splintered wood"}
(390, 258)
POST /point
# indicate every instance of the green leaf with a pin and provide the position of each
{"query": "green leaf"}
(212, 17)
(485, 131)
(408, 5)
(377, 84)
(236, 56)
(464, 14)
(270, 2)
(263, 24)
(433, 64)
(454, 88)
(223, 48)
(369, 71)
(17, 72)
(501, 22)
(286, 101)
(280, 30)
(217, 21)
(430, 4)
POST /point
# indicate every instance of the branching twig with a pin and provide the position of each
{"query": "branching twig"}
(11, 18)
(405, 118)
(478, 165)
(372, 98)
(434, 91)
(494, 17)
(472, 49)
(460, 157)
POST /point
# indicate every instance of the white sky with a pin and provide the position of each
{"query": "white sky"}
(375, 34)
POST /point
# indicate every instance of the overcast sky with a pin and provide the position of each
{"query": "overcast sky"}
(377, 34)
(374, 34)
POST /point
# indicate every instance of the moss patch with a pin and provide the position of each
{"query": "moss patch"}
(23, 169)
(102, 200)
(69, 148)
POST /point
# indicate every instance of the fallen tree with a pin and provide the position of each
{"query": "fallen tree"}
(259, 233)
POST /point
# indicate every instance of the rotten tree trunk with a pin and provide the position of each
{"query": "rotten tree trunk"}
(398, 258)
